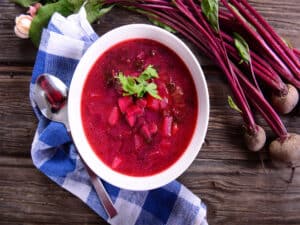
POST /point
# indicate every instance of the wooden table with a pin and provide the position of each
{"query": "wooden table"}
(228, 178)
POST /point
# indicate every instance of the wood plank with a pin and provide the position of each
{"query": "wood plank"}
(27, 196)
(17, 121)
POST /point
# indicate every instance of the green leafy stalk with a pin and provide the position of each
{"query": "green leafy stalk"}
(242, 48)
(210, 9)
(244, 52)
(94, 10)
(233, 105)
(24, 3)
(43, 16)
(139, 86)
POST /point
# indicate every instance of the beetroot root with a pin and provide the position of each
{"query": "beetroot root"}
(255, 140)
(286, 153)
(285, 103)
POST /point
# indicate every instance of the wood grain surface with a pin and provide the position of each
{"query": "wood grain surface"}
(229, 179)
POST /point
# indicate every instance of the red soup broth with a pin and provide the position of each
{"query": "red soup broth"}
(139, 136)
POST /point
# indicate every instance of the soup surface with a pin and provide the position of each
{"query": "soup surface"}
(139, 136)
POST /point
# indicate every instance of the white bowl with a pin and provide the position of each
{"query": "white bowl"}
(74, 112)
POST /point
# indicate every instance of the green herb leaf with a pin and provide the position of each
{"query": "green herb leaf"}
(147, 74)
(162, 25)
(94, 10)
(210, 9)
(242, 48)
(152, 90)
(139, 85)
(24, 3)
(233, 105)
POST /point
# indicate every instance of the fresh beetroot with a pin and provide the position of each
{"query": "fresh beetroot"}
(255, 140)
(286, 152)
(286, 102)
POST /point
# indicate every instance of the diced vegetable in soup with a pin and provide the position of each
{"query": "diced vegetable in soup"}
(139, 107)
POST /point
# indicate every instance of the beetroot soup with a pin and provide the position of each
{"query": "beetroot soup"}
(139, 107)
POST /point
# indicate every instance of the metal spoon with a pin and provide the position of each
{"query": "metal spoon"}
(51, 95)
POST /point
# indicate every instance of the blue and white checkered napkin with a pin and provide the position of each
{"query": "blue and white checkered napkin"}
(62, 45)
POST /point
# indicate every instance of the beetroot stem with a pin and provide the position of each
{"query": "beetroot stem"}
(259, 39)
(268, 38)
(272, 32)
(261, 104)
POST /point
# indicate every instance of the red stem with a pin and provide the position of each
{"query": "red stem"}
(297, 52)
(259, 39)
(272, 32)
(231, 77)
(264, 74)
(262, 105)
(268, 38)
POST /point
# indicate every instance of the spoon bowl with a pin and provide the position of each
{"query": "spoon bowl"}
(50, 95)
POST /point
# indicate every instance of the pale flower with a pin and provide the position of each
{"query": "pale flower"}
(22, 26)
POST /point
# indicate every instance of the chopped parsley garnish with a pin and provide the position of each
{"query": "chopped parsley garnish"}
(140, 85)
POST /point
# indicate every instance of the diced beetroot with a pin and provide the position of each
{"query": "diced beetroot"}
(152, 128)
(140, 121)
(145, 132)
(141, 103)
(153, 103)
(116, 162)
(124, 103)
(174, 128)
(113, 116)
(130, 120)
(167, 126)
(164, 103)
(164, 144)
(134, 110)
(138, 141)
(162, 89)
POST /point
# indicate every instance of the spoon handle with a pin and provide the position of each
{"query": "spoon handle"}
(102, 194)
(99, 187)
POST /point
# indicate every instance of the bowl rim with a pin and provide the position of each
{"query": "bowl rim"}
(109, 39)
